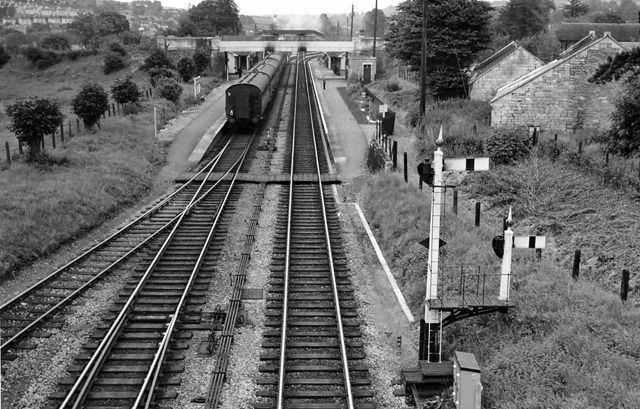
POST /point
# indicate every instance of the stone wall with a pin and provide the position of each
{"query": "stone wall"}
(561, 99)
(514, 66)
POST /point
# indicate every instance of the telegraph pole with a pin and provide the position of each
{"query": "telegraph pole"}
(423, 59)
(352, 22)
(375, 27)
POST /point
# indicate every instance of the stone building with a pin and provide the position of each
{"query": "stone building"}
(627, 34)
(507, 64)
(557, 96)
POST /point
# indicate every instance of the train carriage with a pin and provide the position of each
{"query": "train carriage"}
(247, 100)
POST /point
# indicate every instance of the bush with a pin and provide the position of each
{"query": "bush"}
(157, 75)
(91, 102)
(75, 54)
(113, 62)
(118, 48)
(4, 56)
(130, 37)
(170, 90)
(202, 61)
(157, 59)
(55, 42)
(392, 87)
(624, 135)
(125, 91)
(506, 145)
(41, 59)
(186, 68)
(131, 108)
(374, 158)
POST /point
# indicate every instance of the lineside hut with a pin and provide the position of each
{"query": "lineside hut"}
(511, 62)
(557, 96)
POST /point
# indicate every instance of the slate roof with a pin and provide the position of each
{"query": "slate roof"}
(548, 67)
(571, 32)
(497, 58)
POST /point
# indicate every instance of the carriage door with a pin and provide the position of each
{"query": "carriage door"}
(366, 73)
(243, 99)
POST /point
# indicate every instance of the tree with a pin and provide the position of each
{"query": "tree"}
(369, 23)
(575, 9)
(110, 22)
(326, 26)
(624, 134)
(91, 28)
(608, 18)
(170, 90)
(628, 10)
(187, 68)
(456, 31)
(55, 42)
(31, 120)
(91, 102)
(4, 56)
(522, 18)
(543, 45)
(84, 25)
(211, 17)
(113, 62)
(125, 91)
(157, 59)
(202, 61)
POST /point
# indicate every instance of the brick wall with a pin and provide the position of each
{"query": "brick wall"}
(514, 66)
(561, 99)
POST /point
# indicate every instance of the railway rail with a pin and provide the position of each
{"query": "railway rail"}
(131, 353)
(314, 351)
(37, 306)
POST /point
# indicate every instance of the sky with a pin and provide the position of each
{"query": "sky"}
(270, 7)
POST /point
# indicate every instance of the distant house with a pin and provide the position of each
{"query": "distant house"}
(511, 62)
(557, 96)
(628, 35)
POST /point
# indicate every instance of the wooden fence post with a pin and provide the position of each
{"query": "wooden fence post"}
(62, 132)
(42, 142)
(6, 146)
(53, 139)
(20, 147)
(455, 201)
(395, 155)
(576, 265)
(406, 175)
(579, 147)
(70, 130)
(78, 125)
(624, 285)
(477, 214)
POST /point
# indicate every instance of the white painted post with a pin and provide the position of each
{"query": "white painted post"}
(432, 316)
(155, 123)
(505, 276)
(195, 88)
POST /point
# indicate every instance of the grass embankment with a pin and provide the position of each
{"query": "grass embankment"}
(562, 346)
(90, 177)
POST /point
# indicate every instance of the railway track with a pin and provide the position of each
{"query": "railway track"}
(135, 351)
(314, 356)
(36, 307)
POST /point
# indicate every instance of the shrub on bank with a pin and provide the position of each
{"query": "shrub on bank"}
(507, 145)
